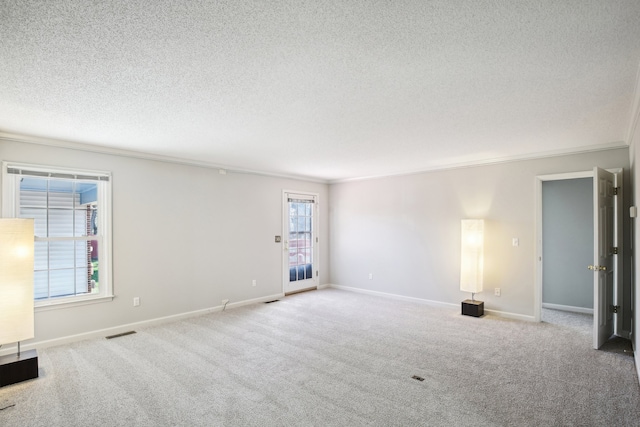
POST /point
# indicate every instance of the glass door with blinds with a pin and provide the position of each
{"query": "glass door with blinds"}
(300, 242)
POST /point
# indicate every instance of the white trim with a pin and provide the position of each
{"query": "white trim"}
(567, 308)
(636, 357)
(429, 302)
(10, 208)
(101, 333)
(101, 149)
(537, 295)
(509, 315)
(248, 302)
(619, 259)
(303, 194)
(537, 251)
(393, 296)
(635, 110)
(567, 175)
(537, 283)
(54, 169)
(315, 234)
(9, 195)
(498, 160)
(68, 302)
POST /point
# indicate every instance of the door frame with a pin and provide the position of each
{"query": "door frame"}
(618, 225)
(285, 237)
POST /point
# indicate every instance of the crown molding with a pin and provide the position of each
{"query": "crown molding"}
(497, 160)
(101, 149)
(635, 110)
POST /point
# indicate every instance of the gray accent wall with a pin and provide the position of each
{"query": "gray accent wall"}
(567, 224)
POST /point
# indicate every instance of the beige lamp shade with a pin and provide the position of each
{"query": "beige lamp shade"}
(16, 280)
(472, 255)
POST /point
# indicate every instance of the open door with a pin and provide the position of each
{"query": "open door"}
(603, 266)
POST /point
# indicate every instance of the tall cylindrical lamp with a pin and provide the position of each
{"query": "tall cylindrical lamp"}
(472, 264)
(16, 298)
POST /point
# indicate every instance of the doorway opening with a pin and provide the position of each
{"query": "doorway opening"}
(567, 235)
(578, 239)
(300, 227)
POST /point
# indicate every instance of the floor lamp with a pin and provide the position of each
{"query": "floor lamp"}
(16, 299)
(472, 264)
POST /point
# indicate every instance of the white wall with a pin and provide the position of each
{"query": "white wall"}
(406, 229)
(184, 238)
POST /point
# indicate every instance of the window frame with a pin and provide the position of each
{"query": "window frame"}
(11, 207)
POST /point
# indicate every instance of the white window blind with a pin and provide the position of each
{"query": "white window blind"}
(70, 211)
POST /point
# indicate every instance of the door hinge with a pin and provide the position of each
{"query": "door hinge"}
(615, 308)
(615, 251)
(317, 273)
(316, 240)
(616, 190)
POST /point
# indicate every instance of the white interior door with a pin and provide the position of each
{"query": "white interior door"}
(603, 255)
(300, 242)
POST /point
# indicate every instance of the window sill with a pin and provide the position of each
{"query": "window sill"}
(72, 302)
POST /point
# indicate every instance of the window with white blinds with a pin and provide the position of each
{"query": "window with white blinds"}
(71, 218)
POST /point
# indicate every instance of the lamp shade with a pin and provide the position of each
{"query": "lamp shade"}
(472, 255)
(16, 280)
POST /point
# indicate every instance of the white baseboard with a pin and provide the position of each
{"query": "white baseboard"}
(508, 315)
(431, 302)
(101, 333)
(567, 308)
(636, 356)
(393, 296)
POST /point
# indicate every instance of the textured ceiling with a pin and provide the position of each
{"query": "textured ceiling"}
(324, 89)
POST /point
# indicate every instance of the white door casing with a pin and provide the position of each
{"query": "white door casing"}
(615, 297)
(605, 271)
(300, 241)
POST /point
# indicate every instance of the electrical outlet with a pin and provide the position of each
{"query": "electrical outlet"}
(515, 242)
(496, 292)
(370, 276)
(253, 282)
(136, 301)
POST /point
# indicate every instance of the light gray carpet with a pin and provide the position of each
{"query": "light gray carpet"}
(332, 358)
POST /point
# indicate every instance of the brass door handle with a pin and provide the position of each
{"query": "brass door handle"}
(597, 268)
